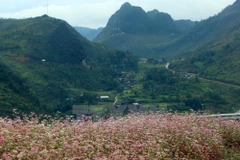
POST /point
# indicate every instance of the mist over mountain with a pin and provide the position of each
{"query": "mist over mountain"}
(184, 25)
(89, 33)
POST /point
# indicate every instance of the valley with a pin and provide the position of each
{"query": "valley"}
(144, 86)
(140, 62)
(172, 92)
(204, 59)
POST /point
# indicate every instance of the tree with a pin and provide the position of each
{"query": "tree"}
(149, 86)
(194, 103)
(126, 111)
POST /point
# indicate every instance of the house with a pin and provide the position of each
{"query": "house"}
(120, 109)
(104, 97)
(70, 99)
(81, 111)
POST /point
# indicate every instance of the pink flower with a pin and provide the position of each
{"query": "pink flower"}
(21, 155)
(2, 140)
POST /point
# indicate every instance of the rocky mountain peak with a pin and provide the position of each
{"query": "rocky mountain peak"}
(126, 5)
(153, 13)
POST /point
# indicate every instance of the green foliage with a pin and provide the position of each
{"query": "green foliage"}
(211, 48)
(161, 76)
(66, 45)
(54, 62)
(44, 61)
(194, 103)
(181, 91)
(15, 94)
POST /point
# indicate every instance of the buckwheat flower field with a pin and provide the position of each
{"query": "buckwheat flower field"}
(141, 136)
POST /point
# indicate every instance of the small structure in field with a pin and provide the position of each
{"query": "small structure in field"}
(104, 97)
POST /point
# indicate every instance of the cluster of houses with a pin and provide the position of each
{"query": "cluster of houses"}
(80, 111)
(188, 75)
(135, 107)
(127, 80)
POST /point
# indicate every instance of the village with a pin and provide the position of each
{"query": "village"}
(111, 104)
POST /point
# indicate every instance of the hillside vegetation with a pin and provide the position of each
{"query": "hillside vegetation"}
(13, 93)
(55, 62)
(209, 48)
(47, 66)
(213, 47)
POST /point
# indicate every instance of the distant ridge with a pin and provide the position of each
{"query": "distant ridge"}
(89, 33)
(128, 26)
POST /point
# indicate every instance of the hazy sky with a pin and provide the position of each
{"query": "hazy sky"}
(95, 13)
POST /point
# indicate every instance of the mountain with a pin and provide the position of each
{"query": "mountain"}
(211, 48)
(205, 33)
(52, 62)
(132, 29)
(134, 20)
(127, 20)
(158, 19)
(184, 25)
(153, 13)
(89, 33)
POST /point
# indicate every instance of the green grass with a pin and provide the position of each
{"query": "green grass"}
(98, 108)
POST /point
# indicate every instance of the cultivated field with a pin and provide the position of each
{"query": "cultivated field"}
(140, 136)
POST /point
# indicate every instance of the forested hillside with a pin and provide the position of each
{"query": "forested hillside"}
(14, 94)
(56, 63)
(211, 48)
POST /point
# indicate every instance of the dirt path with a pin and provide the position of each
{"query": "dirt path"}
(224, 83)
(167, 67)
(116, 99)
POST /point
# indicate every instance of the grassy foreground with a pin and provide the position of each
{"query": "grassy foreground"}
(143, 136)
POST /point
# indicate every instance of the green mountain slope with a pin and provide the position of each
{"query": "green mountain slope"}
(213, 46)
(211, 31)
(55, 62)
(15, 95)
